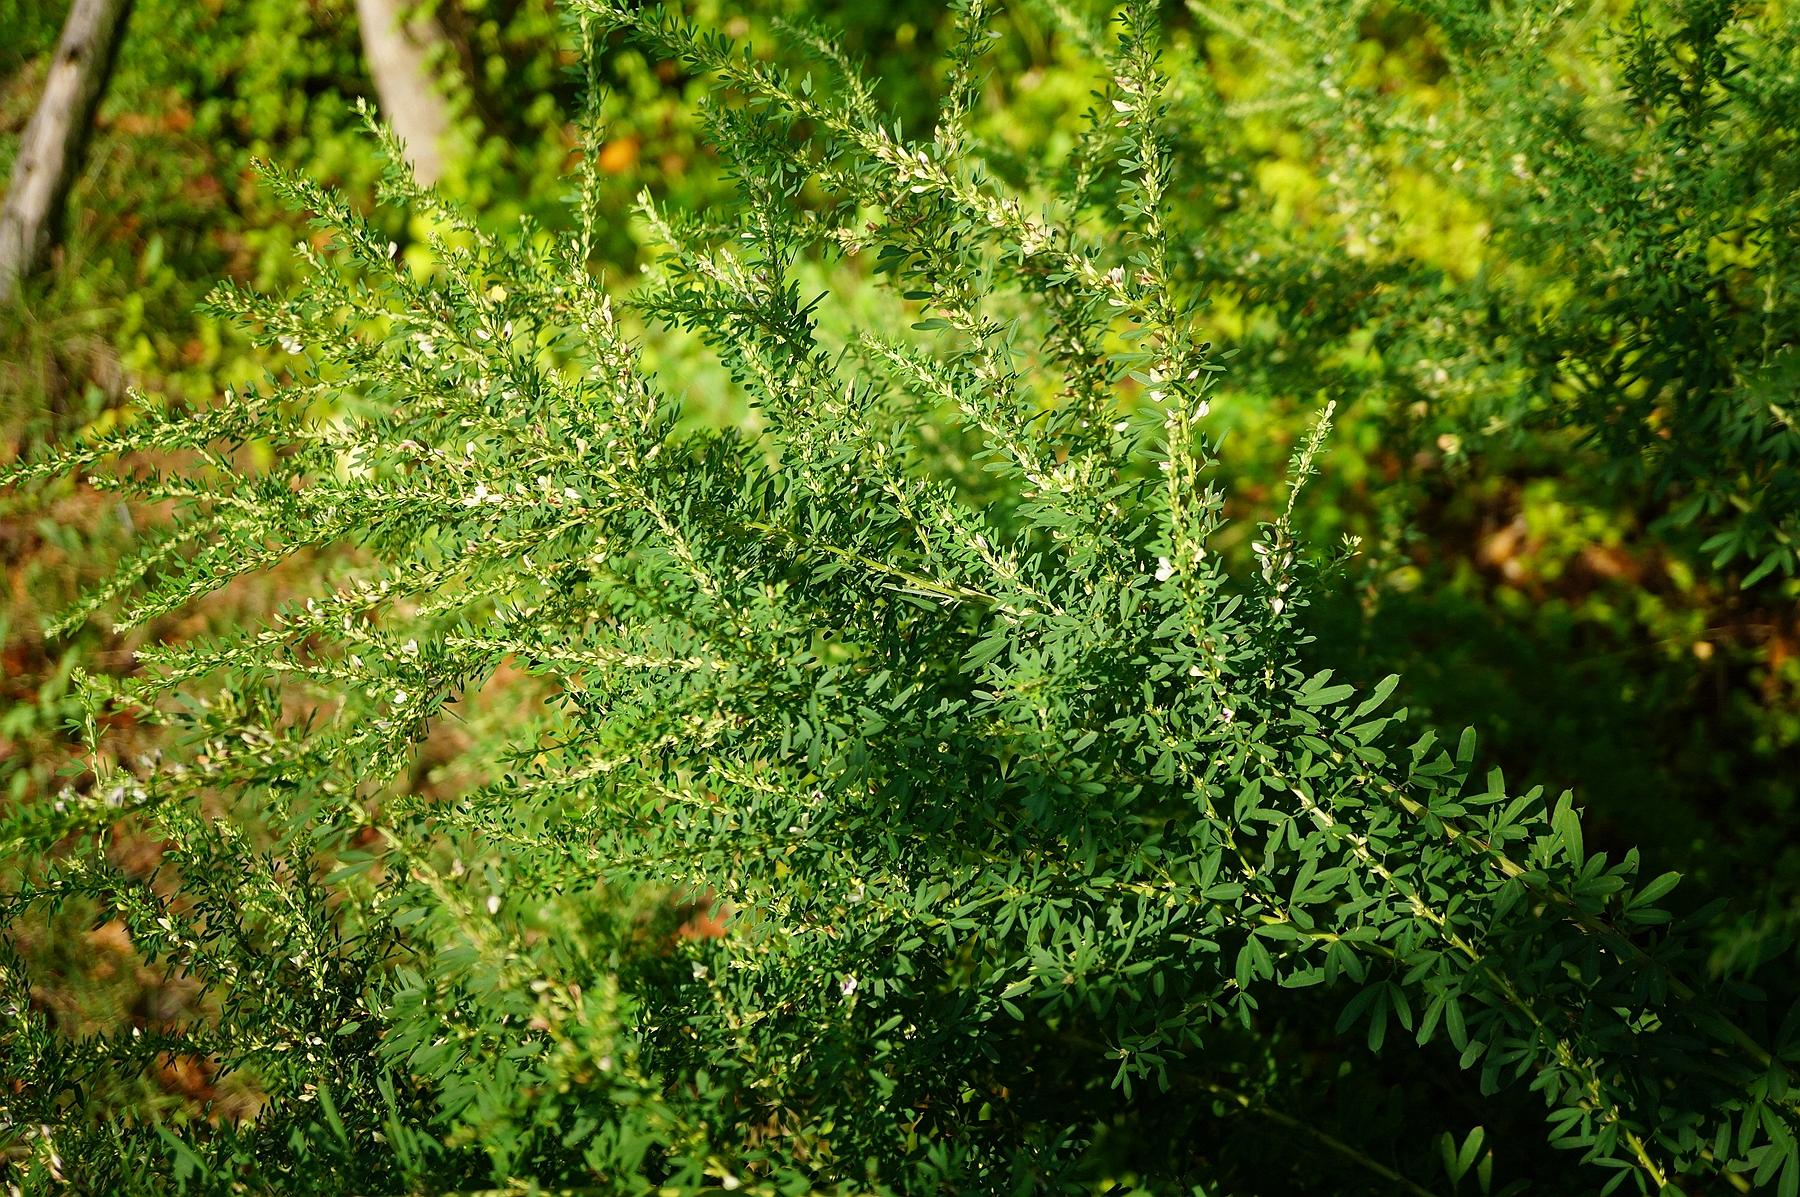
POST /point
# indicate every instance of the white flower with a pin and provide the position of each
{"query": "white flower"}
(292, 345)
(848, 986)
(1165, 569)
(493, 903)
(399, 697)
(481, 494)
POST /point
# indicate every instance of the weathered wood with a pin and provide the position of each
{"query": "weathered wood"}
(399, 43)
(50, 151)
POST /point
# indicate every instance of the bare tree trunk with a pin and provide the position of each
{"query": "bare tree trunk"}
(399, 44)
(50, 152)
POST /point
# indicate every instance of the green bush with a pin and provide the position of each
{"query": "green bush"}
(1540, 257)
(916, 793)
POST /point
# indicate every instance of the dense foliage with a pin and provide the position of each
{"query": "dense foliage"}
(1538, 257)
(1632, 274)
(926, 781)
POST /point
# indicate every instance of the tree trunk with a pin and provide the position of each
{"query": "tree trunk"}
(399, 44)
(50, 152)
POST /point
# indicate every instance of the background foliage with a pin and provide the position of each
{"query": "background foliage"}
(1541, 259)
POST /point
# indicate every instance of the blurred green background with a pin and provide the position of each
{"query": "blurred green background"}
(1562, 444)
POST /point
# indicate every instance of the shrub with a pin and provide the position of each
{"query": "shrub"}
(908, 799)
(1538, 255)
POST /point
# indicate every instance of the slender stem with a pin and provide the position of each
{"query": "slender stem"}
(1324, 1138)
(919, 582)
(1758, 1054)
